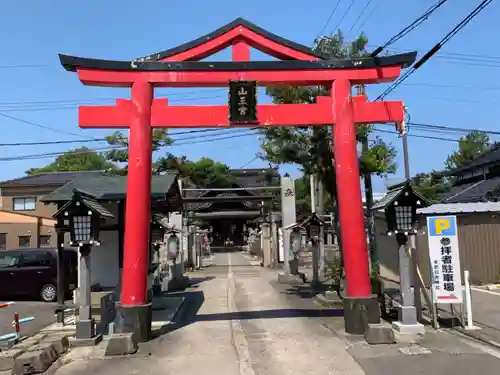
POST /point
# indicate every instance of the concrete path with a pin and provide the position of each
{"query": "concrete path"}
(239, 321)
(244, 326)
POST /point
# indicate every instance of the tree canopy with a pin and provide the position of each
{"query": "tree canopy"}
(79, 159)
(120, 154)
(313, 150)
(434, 185)
(469, 148)
(204, 172)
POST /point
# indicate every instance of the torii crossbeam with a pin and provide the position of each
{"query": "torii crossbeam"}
(180, 67)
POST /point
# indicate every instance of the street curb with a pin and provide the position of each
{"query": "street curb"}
(477, 336)
(321, 300)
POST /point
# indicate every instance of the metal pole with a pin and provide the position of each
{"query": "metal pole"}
(367, 179)
(468, 301)
(61, 276)
(413, 245)
(406, 156)
(321, 239)
(312, 178)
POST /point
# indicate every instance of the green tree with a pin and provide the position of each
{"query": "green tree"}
(469, 148)
(204, 172)
(79, 159)
(435, 185)
(120, 141)
(313, 151)
(432, 186)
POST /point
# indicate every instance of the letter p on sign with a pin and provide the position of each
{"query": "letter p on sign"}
(442, 225)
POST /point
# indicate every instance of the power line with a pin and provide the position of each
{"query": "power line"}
(344, 15)
(40, 126)
(40, 143)
(412, 26)
(109, 148)
(360, 15)
(249, 162)
(328, 20)
(360, 27)
(24, 66)
(223, 131)
(25, 106)
(436, 48)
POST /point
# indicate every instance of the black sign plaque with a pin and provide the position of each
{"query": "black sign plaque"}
(242, 102)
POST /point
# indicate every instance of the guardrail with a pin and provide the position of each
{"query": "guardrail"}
(14, 337)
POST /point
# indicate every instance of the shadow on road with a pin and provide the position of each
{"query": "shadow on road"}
(272, 314)
(196, 281)
(307, 291)
(186, 314)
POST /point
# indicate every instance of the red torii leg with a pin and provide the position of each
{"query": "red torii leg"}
(360, 306)
(134, 301)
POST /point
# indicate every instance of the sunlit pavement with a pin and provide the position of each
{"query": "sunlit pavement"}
(239, 321)
(42, 311)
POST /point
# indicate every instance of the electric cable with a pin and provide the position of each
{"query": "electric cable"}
(109, 148)
(436, 48)
(187, 142)
(328, 20)
(408, 29)
(360, 15)
(342, 18)
(360, 27)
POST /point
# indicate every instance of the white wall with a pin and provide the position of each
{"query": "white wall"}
(104, 260)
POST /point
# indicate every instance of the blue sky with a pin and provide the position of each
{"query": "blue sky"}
(457, 88)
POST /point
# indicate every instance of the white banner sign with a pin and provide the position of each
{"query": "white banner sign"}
(444, 259)
(281, 246)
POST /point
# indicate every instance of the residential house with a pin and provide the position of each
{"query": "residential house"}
(478, 181)
(110, 192)
(24, 220)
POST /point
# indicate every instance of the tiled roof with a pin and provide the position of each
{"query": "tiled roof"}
(388, 198)
(107, 187)
(89, 202)
(457, 208)
(478, 191)
(49, 178)
(487, 158)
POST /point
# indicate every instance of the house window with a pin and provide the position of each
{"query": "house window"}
(44, 240)
(24, 204)
(3, 241)
(24, 241)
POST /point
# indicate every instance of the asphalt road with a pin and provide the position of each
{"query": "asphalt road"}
(42, 311)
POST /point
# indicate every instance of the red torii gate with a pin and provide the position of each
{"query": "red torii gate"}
(181, 67)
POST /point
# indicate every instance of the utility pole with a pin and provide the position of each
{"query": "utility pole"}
(317, 206)
(412, 240)
(312, 181)
(367, 179)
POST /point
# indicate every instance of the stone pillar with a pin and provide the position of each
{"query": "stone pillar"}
(85, 326)
(266, 245)
(407, 314)
(192, 247)
(288, 216)
(274, 241)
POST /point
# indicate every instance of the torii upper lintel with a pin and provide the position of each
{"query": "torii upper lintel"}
(239, 30)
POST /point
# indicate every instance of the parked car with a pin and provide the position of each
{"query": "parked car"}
(33, 272)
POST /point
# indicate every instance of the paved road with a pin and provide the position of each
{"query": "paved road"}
(241, 322)
(43, 313)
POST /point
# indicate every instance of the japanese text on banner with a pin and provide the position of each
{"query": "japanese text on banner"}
(444, 258)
